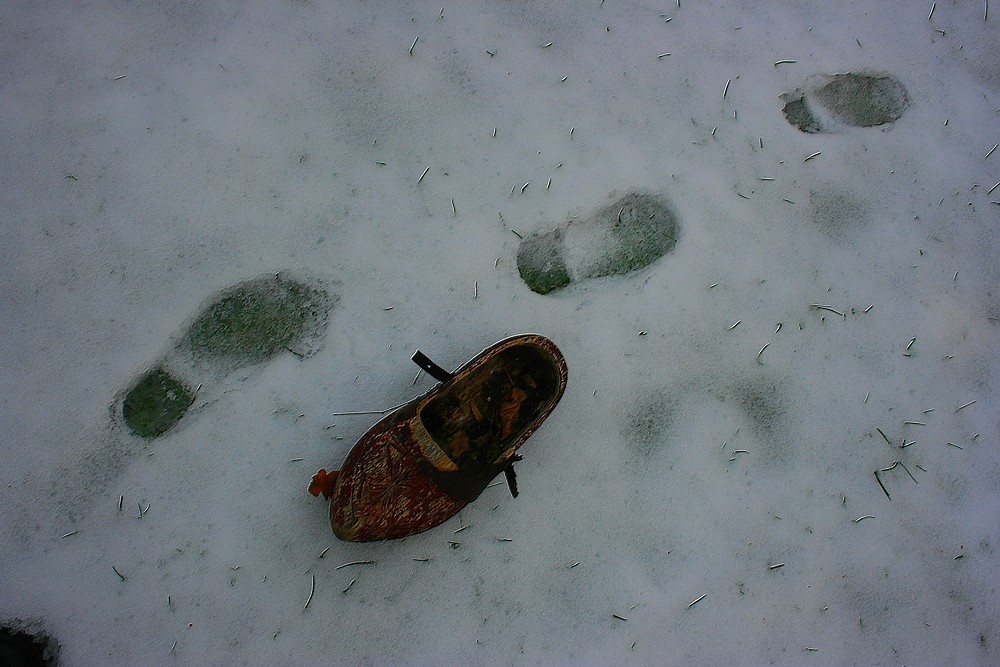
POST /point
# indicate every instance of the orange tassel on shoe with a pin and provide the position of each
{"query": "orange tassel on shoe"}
(323, 482)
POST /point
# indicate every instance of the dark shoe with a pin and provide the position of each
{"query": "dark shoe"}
(420, 465)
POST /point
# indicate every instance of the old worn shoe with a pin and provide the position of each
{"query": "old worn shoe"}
(421, 464)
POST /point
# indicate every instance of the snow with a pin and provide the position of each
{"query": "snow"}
(155, 154)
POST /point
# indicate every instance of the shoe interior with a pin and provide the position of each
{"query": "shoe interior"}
(481, 414)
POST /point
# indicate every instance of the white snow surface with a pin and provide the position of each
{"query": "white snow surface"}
(155, 153)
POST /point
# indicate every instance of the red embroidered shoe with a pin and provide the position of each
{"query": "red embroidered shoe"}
(420, 465)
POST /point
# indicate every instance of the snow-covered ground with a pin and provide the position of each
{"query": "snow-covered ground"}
(696, 497)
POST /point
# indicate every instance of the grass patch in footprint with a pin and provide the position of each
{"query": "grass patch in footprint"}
(156, 402)
(827, 101)
(255, 320)
(616, 239)
(243, 325)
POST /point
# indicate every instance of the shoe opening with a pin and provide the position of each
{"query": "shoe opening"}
(485, 411)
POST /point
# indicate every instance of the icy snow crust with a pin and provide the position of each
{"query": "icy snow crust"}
(705, 493)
